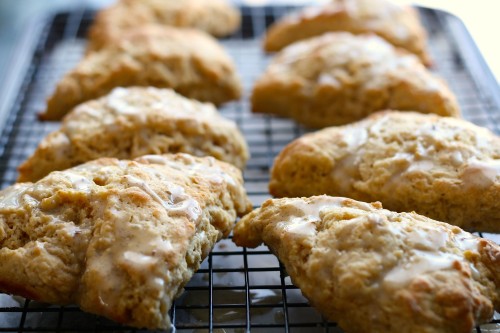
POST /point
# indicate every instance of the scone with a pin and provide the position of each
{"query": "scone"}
(119, 238)
(131, 122)
(373, 270)
(441, 167)
(339, 78)
(399, 25)
(216, 17)
(189, 61)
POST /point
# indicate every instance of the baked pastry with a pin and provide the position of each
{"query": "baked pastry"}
(188, 61)
(131, 122)
(441, 167)
(373, 270)
(119, 238)
(216, 17)
(339, 78)
(399, 25)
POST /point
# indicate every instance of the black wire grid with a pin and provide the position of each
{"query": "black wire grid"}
(236, 289)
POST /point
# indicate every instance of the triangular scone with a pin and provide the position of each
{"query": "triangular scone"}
(119, 238)
(373, 270)
(397, 24)
(189, 61)
(444, 168)
(216, 17)
(131, 122)
(338, 78)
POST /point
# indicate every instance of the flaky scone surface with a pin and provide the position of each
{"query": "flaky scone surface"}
(119, 238)
(399, 25)
(189, 61)
(373, 270)
(441, 167)
(339, 78)
(131, 122)
(216, 17)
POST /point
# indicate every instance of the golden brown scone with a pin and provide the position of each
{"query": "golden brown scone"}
(338, 78)
(373, 270)
(189, 61)
(441, 167)
(119, 238)
(399, 25)
(216, 17)
(131, 122)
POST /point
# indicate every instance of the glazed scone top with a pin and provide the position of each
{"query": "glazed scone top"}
(447, 148)
(135, 121)
(337, 52)
(141, 104)
(394, 144)
(216, 17)
(399, 25)
(115, 236)
(430, 246)
(101, 178)
(374, 270)
(341, 59)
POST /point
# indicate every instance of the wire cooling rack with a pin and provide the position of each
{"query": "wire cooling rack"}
(236, 289)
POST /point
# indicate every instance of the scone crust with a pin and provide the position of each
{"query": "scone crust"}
(399, 25)
(135, 121)
(216, 17)
(373, 270)
(189, 61)
(119, 238)
(442, 167)
(338, 78)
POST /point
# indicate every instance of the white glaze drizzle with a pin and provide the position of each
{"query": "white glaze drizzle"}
(210, 170)
(155, 159)
(421, 165)
(428, 252)
(419, 263)
(11, 196)
(456, 158)
(427, 239)
(137, 248)
(134, 102)
(79, 182)
(354, 137)
(183, 203)
(481, 174)
(328, 80)
(466, 241)
(179, 202)
(300, 217)
(139, 259)
(304, 226)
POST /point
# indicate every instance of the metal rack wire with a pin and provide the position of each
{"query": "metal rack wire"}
(236, 289)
